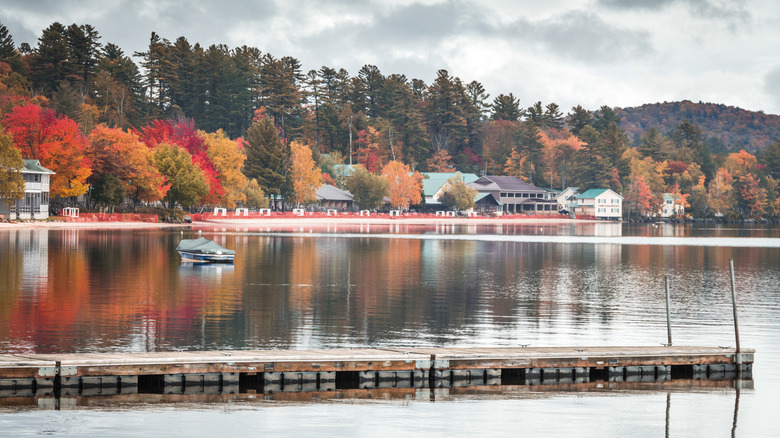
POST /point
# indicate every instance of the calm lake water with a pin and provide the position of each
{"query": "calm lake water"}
(394, 286)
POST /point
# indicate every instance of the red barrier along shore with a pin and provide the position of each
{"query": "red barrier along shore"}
(208, 217)
(110, 217)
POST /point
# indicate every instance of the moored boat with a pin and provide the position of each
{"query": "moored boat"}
(204, 250)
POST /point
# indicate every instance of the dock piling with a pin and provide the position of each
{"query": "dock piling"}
(738, 355)
(668, 316)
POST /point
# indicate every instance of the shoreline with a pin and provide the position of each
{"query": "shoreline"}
(243, 223)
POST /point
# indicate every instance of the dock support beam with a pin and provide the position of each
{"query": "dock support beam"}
(738, 355)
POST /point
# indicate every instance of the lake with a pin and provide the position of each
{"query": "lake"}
(400, 285)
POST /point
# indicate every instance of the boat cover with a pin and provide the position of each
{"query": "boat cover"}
(203, 246)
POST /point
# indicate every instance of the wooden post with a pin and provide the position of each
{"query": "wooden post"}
(738, 355)
(668, 317)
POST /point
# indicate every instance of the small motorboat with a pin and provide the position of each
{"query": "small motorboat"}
(204, 250)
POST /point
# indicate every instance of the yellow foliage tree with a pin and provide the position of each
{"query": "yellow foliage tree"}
(228, 159)
(306, 176)
(721, 191)
(405, 186)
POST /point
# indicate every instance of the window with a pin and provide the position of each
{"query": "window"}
(615, 210)
(616, 201)
(668, 201)
(602, 210)
(602, 201)
(502, 195)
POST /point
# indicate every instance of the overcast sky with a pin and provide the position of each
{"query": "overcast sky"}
(589, 52)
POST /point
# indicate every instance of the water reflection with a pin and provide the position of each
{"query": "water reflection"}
(105, 290)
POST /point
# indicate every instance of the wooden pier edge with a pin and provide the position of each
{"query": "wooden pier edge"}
(275, 371)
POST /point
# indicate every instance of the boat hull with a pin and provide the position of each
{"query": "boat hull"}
(206, 258)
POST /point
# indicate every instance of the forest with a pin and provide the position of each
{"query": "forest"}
(196, 126)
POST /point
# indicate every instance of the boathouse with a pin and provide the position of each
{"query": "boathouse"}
(334, 198)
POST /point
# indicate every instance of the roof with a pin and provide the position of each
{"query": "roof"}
(433, 181)
(344, 169)
(34, 166)
(330, 193)
(481, 196)
(507, 183)
(593, 193)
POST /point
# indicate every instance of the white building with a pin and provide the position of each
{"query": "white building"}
(35, 204)
(566, 198)
(600, 203)
(669, 208)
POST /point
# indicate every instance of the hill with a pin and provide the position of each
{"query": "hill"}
(728, 128)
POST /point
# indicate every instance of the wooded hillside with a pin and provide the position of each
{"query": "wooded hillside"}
(728, 128)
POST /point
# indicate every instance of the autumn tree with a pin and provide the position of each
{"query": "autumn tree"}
(57, 142)
(457, 194)
(228, 158)
(368, 189)
(182, 132)
(514, 165)
(721, 191)
(305, 175)
(752, 197)
(699, 199)
(188, 184)
(440, 161)
(498, 142)
(120, 157)
(638, 197)
(558, 152)
(11, 180)
(405, 187)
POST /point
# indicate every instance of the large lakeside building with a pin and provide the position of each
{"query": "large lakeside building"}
(510, 195)
(35, 204)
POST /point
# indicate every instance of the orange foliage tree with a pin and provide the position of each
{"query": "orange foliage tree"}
(558, 151)
(405, 186)
(752, 196)
(440, 161)
(57, 142)
(305, 175)
(639, 196)
(121, 154)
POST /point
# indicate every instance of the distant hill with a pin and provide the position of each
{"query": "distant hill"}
(728, 128)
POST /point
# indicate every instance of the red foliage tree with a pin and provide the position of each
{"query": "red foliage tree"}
(183, 133)
(57, 142)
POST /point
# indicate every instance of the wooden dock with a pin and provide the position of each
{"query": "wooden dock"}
(295, 371)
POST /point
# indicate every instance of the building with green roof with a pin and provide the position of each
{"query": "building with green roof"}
(599, 203)
(35, 204)
(434, 184)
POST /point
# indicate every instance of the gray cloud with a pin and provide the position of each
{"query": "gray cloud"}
(732, 13)
(772, 84)
(582, 36)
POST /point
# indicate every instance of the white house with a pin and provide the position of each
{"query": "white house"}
(669, 208)
(566, 198)
(601, 203)
(35, 204)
